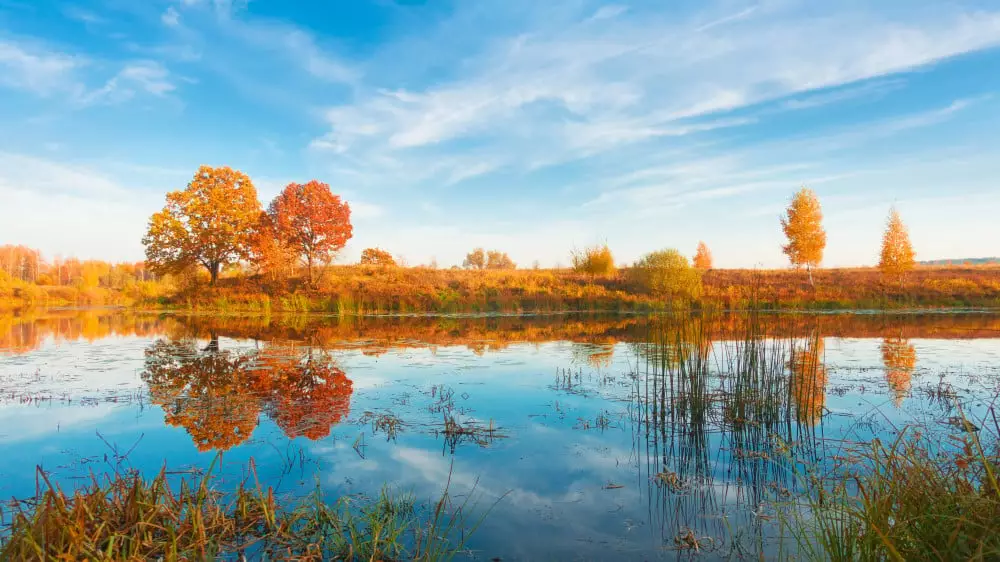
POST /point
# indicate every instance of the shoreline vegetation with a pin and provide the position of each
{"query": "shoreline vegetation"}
(214, 247)
(124, 516)
(363, 289)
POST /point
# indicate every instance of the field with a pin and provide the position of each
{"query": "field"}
(360, 290)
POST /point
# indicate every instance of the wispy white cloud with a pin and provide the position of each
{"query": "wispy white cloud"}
(36, 69)
(569, 89)
(142, 76)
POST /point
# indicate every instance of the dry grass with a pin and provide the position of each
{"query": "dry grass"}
(907, 501)
(129, 518)
(367, 289)
(355, 289)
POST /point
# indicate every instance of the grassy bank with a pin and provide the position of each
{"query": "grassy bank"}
(372, 290)
(127, 517)
(360, 290)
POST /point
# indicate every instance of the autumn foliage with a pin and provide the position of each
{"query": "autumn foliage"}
(312, 222)
(666, 274)
(494, 259)
(377, 257)
(595, 260)
(803, 226)
(896, 258)
(218, 395)
(210, 223)
(703, 257)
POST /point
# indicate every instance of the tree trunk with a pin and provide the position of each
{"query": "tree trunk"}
(309, 269)
(810, 270)
(214, 271)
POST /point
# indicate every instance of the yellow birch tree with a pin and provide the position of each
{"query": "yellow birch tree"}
(803, 226)
(897, 252)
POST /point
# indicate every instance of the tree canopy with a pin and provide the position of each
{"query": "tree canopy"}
(803, 226)
(377, 257)
(209, 223)
(897, 257)
(312, 222)
(703, 257)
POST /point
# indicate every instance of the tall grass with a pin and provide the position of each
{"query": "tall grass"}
(127, 517)
(908, 500)
(757, 393)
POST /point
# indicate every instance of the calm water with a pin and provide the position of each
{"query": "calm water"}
(598, 449)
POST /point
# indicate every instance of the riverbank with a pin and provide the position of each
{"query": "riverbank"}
(370, 290)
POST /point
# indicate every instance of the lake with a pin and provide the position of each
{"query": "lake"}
(585, 437)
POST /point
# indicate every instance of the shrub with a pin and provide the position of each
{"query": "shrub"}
(596, 260)
(377, 257)
(666, 273)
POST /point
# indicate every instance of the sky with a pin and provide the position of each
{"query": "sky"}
(530, 127)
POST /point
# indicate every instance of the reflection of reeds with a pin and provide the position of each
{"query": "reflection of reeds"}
(456, 432)
(736, 409)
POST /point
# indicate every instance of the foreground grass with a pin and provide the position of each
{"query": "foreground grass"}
(127, 517)
(903, 502)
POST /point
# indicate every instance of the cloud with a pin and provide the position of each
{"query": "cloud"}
(608, 12)
(363, 210)
(171, 17)
(45, 199)
(49, 74)
(37, 70)
(562, 89)
(148, 77)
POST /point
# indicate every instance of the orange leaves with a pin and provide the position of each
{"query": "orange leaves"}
(217, 395)
(377, 257)
(899, 358)
(703, 257)
(311, 221)
(803, 225)
(209, 223)
(808, 379)
(896, 258)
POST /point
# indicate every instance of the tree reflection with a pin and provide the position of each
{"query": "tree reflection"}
(808, 379)
(309, 393)
(217, 395)
(206, 391)
(899, 358)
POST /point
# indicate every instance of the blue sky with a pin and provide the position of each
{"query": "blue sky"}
(526, 126)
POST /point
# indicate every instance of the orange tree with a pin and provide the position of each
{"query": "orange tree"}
(209, 223)
(703, 257)
(312, 222)
(377, 257)
(803, 225)
(897, 253)
(476, 259)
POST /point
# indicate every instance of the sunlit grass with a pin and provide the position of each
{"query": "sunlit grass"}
(127, 517)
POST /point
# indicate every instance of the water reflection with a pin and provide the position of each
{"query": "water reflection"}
(657, 433)
(900, 359)
(718, 427)
(217, 395)
(27, 331)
